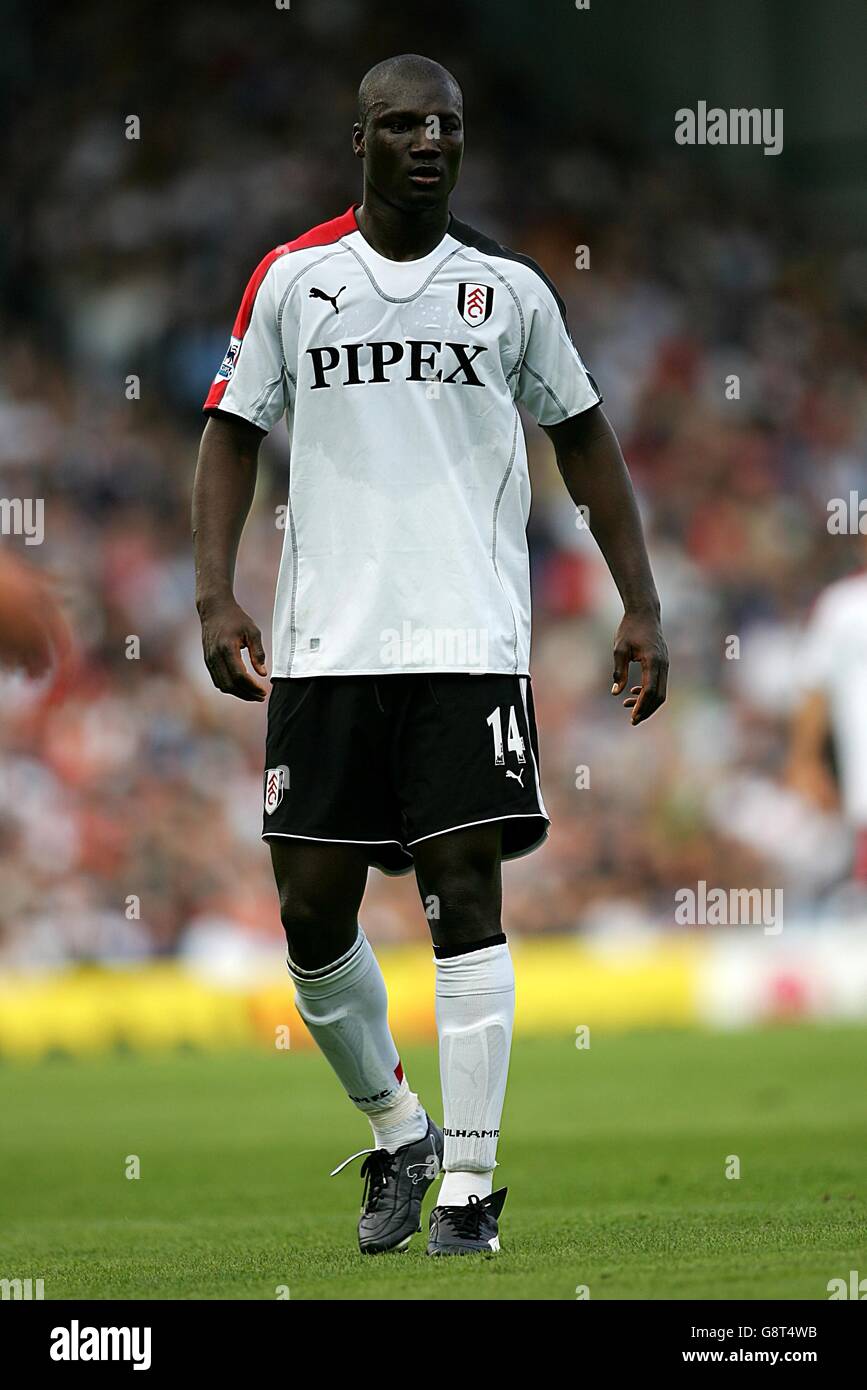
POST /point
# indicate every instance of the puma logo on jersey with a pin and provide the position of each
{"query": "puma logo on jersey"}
(518, 776)
(332, 298)
(449, 363)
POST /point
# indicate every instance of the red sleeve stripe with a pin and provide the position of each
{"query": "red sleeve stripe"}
(242, 319)
(326, 231)
(215, 395)
(322, 235)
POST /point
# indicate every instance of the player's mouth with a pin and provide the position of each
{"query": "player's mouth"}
(426, 176)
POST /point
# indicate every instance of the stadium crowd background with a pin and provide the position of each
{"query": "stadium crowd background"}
(128, 257)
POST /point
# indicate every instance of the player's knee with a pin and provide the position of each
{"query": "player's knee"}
(314, 936)
(463, 907)
(301, 923)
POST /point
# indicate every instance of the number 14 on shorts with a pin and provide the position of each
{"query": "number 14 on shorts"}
(514, 741)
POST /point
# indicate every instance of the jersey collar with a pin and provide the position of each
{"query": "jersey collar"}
(386, 260)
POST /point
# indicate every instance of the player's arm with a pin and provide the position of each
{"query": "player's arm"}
(594, 471)
(808, 772)
(247, 397)
(816, 670)
(222, 494)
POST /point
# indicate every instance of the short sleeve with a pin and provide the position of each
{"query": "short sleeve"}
(251, 378)
(819, 655)
(553, 382)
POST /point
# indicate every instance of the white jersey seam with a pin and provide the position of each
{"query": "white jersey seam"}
(400, 299)
(515, 296)
(335, 251)
(502, 488)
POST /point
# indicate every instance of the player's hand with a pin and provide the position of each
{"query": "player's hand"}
(226, 631)
(639, 638)
(34, 636)
(812, 780)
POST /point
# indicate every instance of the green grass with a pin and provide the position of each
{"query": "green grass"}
(614, 1158)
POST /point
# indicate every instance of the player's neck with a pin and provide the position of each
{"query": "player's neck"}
(399, 235)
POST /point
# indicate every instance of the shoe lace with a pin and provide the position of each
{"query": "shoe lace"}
(466, 1222)
(376, 1170)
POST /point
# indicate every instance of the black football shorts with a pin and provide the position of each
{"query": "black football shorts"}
(386, 762)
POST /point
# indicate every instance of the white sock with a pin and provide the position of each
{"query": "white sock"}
(475, 1007)
(345, 1007)
(457, 1188)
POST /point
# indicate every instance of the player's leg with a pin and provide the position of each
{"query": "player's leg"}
(339, 989)
(329, 813)
(459, 879)
(469, 779)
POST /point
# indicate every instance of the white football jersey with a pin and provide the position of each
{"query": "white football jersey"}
(405, 543)
(833, 660)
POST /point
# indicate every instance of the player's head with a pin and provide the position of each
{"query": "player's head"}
(410, 131)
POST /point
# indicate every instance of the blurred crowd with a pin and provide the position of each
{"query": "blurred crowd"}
(726, 337)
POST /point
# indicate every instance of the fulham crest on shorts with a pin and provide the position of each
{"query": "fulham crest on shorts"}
(276, 780)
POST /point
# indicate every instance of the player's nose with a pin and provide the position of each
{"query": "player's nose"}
(424, 146)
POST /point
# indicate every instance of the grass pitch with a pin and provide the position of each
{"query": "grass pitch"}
(615, 1159)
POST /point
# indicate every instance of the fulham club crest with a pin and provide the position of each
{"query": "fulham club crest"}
(475, 303)
(276, 780)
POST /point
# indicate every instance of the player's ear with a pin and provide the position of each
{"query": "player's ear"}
(358, 140)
